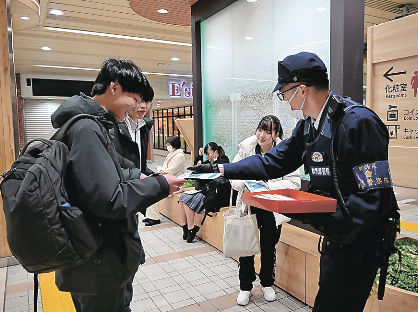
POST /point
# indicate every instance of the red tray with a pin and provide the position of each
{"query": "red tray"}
(303, 203)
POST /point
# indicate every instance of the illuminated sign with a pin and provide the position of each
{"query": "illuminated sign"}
(180, 89)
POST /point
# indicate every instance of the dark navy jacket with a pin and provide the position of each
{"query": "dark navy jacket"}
(361, 138)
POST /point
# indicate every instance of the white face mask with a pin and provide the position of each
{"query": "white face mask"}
(297, 113)
(170, 148)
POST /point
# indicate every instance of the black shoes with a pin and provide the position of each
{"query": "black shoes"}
(192, 233)
(145, 220)
(185, 231)
(151, 222)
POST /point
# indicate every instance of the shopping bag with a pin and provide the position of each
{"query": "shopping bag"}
(241, 237)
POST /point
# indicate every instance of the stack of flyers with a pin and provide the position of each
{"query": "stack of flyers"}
(273, 197)
(200, 176)
(256, 186)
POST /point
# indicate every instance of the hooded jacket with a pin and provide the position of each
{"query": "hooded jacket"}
(93, 184)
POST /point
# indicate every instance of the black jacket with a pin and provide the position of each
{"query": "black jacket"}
(94, 185)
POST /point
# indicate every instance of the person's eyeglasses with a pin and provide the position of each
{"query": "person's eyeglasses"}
(280, 95)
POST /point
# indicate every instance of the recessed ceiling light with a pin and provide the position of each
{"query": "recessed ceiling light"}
(321, 9)
(175, 59)
(159, 101)
(162, 11)
(25, 18)
(248, 38)
(252, 1)
(56, 12)
(46, 48)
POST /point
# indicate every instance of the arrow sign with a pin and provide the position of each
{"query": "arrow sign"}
(388, 74)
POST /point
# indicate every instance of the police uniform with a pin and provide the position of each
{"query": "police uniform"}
(348, 263)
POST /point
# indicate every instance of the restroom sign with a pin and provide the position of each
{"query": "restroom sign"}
(180, 89)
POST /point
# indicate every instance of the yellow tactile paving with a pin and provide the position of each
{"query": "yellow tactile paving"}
(409, 226)
(54, 300)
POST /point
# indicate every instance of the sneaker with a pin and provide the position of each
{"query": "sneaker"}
(269, 293)
(145, 220)
(243, 297)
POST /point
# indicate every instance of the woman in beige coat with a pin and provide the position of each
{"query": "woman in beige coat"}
(174, 164)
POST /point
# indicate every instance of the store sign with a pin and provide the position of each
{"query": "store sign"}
(180, 89)
(399, 83)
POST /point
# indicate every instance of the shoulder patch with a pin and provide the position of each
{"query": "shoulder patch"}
(373, 175)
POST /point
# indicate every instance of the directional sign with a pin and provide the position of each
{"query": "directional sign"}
(388, 74)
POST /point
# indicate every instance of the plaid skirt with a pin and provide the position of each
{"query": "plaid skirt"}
(194, 201)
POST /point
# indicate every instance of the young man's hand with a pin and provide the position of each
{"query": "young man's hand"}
(174, 182)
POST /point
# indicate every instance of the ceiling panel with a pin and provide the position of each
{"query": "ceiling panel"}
(117, 17)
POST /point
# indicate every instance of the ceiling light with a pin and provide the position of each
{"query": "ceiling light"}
(98, 69)
(159, 101)
(321, 9)
(56, 12)
(175, 59)
(25, 18)
(248, 38)
(93, 33)
(250, 1)
(46, 48)
(162, 11)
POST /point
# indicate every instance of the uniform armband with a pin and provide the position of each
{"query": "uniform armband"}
(373, 175)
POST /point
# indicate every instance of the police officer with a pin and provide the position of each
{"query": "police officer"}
(344, 148)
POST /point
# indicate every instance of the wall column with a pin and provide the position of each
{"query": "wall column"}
(7, 148)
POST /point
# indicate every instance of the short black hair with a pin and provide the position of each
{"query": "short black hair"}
(318, 79)
(270, 123)
(127, 74)
(174, 141)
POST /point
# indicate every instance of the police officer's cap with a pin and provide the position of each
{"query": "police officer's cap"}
(300, 67)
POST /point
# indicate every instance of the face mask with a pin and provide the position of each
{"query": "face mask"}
(169, 148)
(298, 113)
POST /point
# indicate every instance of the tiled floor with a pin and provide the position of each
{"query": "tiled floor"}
(178, 276)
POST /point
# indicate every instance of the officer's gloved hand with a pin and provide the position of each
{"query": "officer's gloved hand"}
(204, 168)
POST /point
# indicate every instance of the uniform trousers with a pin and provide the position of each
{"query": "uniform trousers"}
(269, 236)
(346, 278)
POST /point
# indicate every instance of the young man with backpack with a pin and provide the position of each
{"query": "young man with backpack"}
(95, 184)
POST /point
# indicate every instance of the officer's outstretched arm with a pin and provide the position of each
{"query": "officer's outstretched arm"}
(284, 158)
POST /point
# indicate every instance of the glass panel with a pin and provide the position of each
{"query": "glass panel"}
(240, 49)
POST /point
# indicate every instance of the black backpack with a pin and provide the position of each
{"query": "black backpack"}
(217, 195)
(44, 231)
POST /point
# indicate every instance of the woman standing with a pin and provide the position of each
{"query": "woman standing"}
(191, 202)
(174, 164)
(269, 132)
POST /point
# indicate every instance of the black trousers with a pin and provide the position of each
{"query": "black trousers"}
(118, 301)
(346, 278)
(269, 236)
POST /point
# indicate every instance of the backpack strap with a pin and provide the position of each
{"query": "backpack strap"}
(35, 292)
(61, 134)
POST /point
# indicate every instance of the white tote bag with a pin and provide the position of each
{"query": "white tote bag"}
(241, 237)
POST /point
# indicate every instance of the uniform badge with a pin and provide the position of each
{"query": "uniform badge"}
(317, 157)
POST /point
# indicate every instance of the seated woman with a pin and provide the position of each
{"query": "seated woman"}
(174, 164)
(192, 203)
(269, 132)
